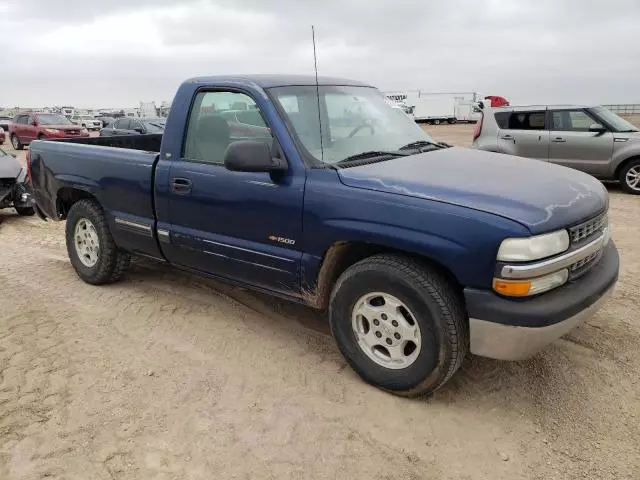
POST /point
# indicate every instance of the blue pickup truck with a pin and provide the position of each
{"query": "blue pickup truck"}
(324, 194)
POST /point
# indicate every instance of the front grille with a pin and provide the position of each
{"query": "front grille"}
(583, 266)
(587, 229)
(6, 188)
(7, 182)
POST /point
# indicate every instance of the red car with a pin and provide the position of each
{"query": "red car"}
(27, 127)
(3, 136)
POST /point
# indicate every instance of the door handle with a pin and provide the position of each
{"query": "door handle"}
(559, 140)
(506, 137)
(181, 186)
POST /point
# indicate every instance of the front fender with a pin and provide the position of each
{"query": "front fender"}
(463, 240)
(622, 155)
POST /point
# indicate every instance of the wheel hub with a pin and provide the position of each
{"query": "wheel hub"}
(86, 242)
(633, 178)
(386, 330)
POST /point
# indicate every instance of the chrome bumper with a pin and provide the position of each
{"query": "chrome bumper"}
(507, 342)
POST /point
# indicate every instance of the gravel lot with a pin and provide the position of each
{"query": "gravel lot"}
(168, 376)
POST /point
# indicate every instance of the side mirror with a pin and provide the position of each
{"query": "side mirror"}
(597, 128)
(252, 156)
(139, 130)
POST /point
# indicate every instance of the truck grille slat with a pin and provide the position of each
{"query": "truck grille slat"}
(587, 229)
(583, 266)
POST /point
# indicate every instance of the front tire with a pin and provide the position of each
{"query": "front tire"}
(401, 325)
(90, 246)
(630, 177)
(15, 142)
(25, 211)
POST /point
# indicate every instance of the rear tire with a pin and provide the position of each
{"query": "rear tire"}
(436, 122)
(107, 264)
(452, 121)
(15, 142)
(630, 177)
(430, 306)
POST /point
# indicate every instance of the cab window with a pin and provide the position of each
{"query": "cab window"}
(217, 120)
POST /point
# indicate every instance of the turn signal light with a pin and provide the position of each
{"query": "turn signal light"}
(534, 286)
(511, 288)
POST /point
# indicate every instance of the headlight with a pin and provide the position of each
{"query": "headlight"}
(534, 286)
(52, 130)
(533, 248)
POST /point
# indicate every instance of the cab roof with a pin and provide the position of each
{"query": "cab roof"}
(270, 81)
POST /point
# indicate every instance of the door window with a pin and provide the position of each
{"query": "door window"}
(123, 124)
(522, 120)
(217, 120)
(571, 121)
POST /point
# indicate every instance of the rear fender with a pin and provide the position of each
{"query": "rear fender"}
(72, 182)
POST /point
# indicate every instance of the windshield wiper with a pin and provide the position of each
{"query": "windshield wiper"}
(632, 130)
(421, 144)
(370, 155)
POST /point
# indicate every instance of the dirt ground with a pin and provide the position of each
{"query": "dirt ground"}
(167, 376)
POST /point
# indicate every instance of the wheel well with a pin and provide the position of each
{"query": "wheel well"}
(67, 196)
(624, 164)
(342, 255)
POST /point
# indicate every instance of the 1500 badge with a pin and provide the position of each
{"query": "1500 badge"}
(286, 241)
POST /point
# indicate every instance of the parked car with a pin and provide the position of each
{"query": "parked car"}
(591, 139)
(27, 127)
(5, 122)
(87, 121)
(15, 190)
(418, 252)
(134, 126)
(106, 120)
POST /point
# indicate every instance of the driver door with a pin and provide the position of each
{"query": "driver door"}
(574, 146)
(245, 226)
(30, 131)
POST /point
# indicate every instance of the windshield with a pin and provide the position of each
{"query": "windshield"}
(52, 119)
(617, 123)
(354, 120)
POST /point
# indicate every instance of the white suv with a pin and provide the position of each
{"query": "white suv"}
(87, 121)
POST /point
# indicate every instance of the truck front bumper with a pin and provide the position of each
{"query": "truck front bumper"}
(514, 329)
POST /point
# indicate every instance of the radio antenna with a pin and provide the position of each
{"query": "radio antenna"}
(315, 67)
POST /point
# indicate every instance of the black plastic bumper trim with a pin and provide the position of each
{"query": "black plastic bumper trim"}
(551, 307)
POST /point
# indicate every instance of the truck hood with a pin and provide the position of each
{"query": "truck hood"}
(635, 136)
(538, 195)
(9, 166)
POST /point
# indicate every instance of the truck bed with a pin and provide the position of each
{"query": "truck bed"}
(117, 171)
(147, 143)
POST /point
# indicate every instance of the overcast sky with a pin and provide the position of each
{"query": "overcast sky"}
(117, 52)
